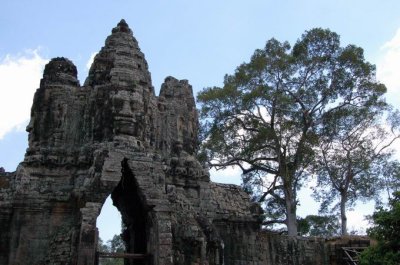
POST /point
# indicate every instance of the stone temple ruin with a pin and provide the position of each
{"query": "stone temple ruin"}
(114, 136)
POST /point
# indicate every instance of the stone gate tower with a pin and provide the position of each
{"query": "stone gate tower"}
(112, 135)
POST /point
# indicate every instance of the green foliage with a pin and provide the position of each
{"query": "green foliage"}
(111, 261)
(101, 247)
(269, 115)
(116, 244)
(317, 225)
(386, 230)
(390, 181)
(379, 256)
(353, 160)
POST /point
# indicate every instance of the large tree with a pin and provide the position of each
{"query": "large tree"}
(352, 161)
(267, 117)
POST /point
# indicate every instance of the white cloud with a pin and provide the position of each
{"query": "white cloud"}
(90, 61)
(230, 175)
(356, 219)
(19, 78)
(388, 68)
(388, 72)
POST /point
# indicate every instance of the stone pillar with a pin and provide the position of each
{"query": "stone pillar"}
(88, 235)
(5, 232)
(163, 250)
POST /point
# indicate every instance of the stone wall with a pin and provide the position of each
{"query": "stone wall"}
(6, 194)
(276, 249)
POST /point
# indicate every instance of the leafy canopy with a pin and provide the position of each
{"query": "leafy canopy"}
(353, 157)
(269, 115)
(386, 230)
(316, 225)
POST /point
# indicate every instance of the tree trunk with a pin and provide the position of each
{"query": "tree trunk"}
(291, 218)
(343, 217)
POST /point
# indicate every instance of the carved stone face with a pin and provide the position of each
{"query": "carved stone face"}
(127, 111)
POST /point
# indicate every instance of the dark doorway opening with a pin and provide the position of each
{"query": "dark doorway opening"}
(126, 197)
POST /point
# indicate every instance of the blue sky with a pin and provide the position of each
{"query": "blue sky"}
(196, 40)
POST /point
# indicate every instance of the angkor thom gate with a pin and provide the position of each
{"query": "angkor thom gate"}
(112, 135)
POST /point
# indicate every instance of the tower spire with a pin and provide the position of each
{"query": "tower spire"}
(122, 26)
(120, 61)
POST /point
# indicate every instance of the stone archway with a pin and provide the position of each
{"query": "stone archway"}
(144, 211)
